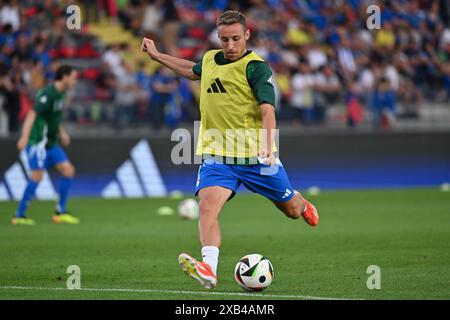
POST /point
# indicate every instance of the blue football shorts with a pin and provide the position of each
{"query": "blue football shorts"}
(40, 158)
(268, 181)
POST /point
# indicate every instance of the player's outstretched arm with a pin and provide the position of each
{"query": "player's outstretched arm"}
(26, 129)
(180, 66)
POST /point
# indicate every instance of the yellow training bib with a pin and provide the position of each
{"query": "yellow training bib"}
(231, 118)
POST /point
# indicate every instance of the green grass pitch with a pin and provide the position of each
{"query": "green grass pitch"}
(123, 246)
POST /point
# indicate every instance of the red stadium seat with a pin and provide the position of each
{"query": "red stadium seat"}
(90, 74)
(62, 52)
(197, 33)
(67, 52)
(86, 51)
(187, 52)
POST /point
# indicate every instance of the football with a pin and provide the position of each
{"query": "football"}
(253, 272)
(188, 209)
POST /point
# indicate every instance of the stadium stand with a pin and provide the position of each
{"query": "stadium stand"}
(330, 69)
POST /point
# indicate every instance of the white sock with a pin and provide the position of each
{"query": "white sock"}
(210, 255)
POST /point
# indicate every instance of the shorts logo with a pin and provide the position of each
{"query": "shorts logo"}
(216, 87)
(286, 194)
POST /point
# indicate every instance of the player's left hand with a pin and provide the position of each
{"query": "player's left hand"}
(65, 138)
(267, 157)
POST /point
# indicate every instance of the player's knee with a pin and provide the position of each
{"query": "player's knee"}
(37, 179)
(207, 207)
(69, 171)
(36, 176)
(204, 206)
(72, 171)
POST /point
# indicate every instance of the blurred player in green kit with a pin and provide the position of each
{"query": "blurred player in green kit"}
(41, 130)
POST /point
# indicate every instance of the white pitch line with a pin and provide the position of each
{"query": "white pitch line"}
(262, 296)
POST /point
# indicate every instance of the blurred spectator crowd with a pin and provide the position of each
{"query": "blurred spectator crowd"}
(322, 54)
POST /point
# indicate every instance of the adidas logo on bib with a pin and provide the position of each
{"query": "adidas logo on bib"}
(216, 87)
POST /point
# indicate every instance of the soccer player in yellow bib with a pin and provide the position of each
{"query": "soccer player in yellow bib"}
(237, 100)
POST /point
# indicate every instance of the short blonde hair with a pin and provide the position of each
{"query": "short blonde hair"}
(231, 17)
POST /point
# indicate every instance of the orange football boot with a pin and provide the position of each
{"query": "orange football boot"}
(310, 214)
(200, 271)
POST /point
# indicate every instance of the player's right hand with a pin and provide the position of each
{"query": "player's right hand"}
(22, 143)
(148, 45)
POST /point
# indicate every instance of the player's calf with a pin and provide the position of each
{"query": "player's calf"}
(292, 208)
(298, 207)
(294, 211)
